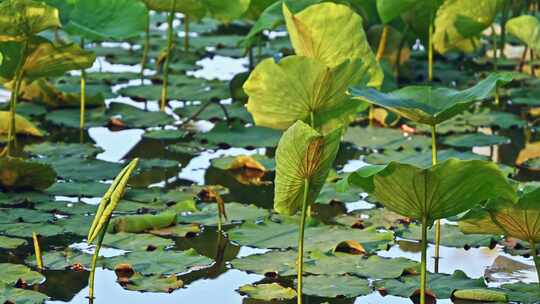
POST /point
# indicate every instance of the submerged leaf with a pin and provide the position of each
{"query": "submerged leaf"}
(303, 158)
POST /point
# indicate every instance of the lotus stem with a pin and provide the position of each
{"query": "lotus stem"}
(430, 50)
(83, 92)
(522, 59)
(494, 48)
(12, 130)
(504, 18)
(536, 259)
(37, 251)
(382, 43)
(300, 261)
(312, 119)
(423, 271)
(186, 33)
(146, 47)
(170, 43)
(94, 261)
(438, 223)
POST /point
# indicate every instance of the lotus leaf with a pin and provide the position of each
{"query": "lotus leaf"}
(153, 283)
(16, 173)
(17, 295)
(222, 10)
(331, 286)
(11, 273)
(525, 28)
(21, 19)
(11, 243)
(22, 125)
(268, 292)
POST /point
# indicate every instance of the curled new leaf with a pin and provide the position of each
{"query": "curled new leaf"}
(332, 33)
(444, 190)
(110, 200)
(301, 88)
(302, 155)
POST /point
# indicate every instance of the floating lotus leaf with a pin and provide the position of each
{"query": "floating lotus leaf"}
(11, 273)
(451, 236)
(22, 125)
(522, 292)
(385, 139)
(283, 234)
(160, 262)
(81, 169)
(332, 286)
(282, 263)
(480, 295)
(444, 190)
(11, 243)
(237, 135)
(133, 117)
(21, 19)
(25, 230)
(268, 292)
(302, 88)
(256, 162)
(459, 21)
(474, 140)
(18, 215)
(222, 10)
(332, 33)
(302, 155)
(420, 159)
(142, 223)
(136, 242)
(16, 173)
(236, 212)
(378, 217)
(441, 285)
(78, 189)
(153, 283)
(107, 19)
(525, 28)
(63, 260)
(429, 105)
(17, 295)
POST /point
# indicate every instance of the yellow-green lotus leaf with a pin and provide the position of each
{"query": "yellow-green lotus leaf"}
(22, 125)
(302, 154)
(21, 19)
(332, 33)
(527, 29)
(302, 88)
(219, 9)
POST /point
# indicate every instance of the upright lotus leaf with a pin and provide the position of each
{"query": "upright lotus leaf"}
(519, 219)
(441, 191)
(390, 9)
(430, 105)
(444, 190)
(218, 9)
(107, 19)
(23, 125)
(527, 29)
(458, 22)
(332, 33)
(302, 88)
(42, 58)
(302, 155)
(21, 19)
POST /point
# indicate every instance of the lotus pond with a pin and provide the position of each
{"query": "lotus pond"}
(269, 151)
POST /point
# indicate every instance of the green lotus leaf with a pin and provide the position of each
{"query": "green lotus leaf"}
(23, 215)
(160, 262)
(332, 33)
(390, 9)
(303, 155)
(153, 283)
(16, 173)
(474, 140)
(420, 159)
(527, 29)
(268, 292)
(257, 7)
(385, 139)
(43, 59)
(22, 125)
(420, 16)
(63, 260)
(429, 105)
(282, 233)
(236, 212)
(522, 292)
(480, 295)
(21, 19)
(459, 21)
(519, 220)
(451, 236)
(441, 191)
(441, 285)
(136, 241)
(332, 286)
(11, 273)
(301, 88)
(11, 243)
(218, 9)
(142, 222)
(107, 19)
(62, 150)
(18, 295)
(24, 230)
